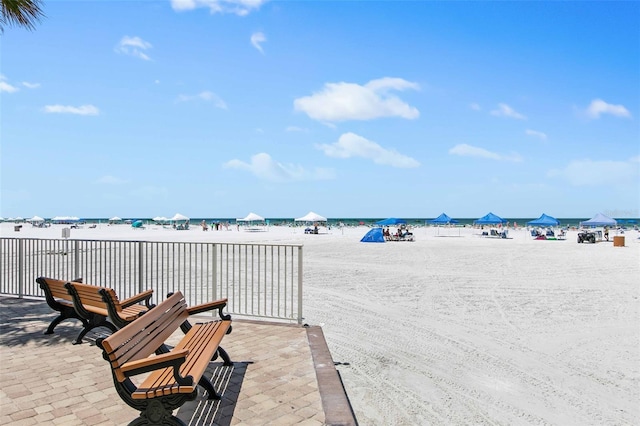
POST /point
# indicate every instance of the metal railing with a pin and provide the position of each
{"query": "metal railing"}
(259, 280)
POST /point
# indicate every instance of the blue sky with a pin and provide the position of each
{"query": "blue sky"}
(349, 109)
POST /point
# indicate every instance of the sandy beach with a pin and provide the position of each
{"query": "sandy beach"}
(456, 328)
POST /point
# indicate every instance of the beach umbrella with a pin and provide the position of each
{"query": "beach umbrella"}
(391, 221)
(36, 219)
(115, 219)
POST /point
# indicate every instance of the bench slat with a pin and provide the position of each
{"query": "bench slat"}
(146, 334)
(202, 341)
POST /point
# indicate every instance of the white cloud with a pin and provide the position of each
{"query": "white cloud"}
(204, 96)
(110, 180)
(350, 101)
(505, 110)
(537, 134)
(238, 7)
(65, 109)
(266, 168)
(6, 87)
(599, 107)
(465, 150)
(256, 39)
(134, 46)
(352, 145)
(30, 85)
(474, 106)
(598, 173)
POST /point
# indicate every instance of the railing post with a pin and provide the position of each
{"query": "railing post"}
(20, 268)
(300, 285)
(140, 267)
(215, 271)
(76, 260)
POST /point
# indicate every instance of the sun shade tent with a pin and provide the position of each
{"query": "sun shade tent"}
(489, 219)
(311, 217)
(391, 221)
(443, 219)
(544, 220)
(251, 217)
(373, 236)
(599, 220)
(179, 217)
(36, 219)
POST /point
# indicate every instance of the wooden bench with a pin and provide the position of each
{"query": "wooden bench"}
(85, 302)
(173, 375)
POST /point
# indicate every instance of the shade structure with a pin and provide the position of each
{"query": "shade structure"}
(311, 217)
(391, 221)
(179, 216)
(489, 219)
(373, 236)
(599, 220)
(160, 219)
(443, 219)
(544, 220)
(251, 217)
(36, 219)
(115, 219)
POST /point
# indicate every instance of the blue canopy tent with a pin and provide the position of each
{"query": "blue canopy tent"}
(544, 220)
(373, 236)
(137, 224)
(443, 219)
(599, 220)
(391, 221)
(489, 219)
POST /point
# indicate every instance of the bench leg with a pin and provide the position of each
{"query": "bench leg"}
(96, 321)
(157, 413)
(206, 385)
(65, 313)
(225, 357)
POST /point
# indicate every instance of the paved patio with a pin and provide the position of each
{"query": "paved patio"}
(282, 375)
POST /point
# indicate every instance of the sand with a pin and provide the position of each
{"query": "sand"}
(455, 328)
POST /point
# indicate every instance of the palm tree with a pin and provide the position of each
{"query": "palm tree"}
(23, 13)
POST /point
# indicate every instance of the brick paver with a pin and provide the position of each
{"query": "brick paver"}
(46, 379)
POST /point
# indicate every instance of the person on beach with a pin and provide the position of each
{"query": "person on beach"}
(606, 233)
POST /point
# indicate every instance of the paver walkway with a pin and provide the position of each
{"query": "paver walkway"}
(274, 380)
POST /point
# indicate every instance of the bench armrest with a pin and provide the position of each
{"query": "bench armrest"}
(170, 359)
(209, 306)
(145, 295)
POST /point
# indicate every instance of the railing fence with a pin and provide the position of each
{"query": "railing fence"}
(259, 280)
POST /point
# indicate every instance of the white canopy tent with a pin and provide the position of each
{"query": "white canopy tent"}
(36, 219)
(251, 217)
(179, 217)
(311, 217)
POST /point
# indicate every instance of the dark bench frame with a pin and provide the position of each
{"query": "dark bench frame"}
(61, 297)
(173, 373)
